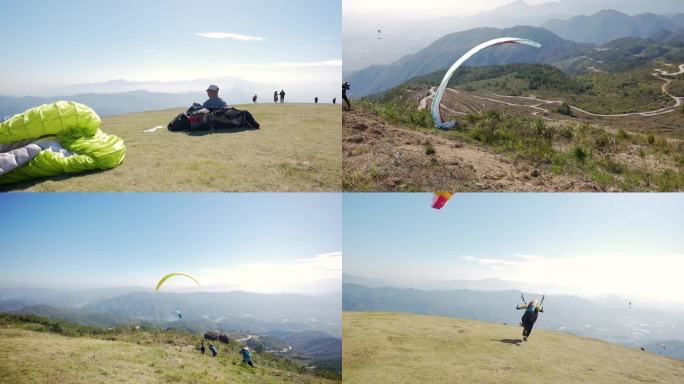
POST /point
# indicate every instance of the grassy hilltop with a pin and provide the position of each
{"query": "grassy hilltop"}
(37, 350)
(406, 348)
(296, 149)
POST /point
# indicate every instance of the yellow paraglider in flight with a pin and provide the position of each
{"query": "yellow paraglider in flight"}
(163, 279)
(440, 199)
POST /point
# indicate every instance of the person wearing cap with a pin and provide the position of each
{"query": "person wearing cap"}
(214, 101)
(247, 356)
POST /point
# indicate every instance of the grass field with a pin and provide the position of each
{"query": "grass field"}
(296, 149)
(40, 357)
(405, 348)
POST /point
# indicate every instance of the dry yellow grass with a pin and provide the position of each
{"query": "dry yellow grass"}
(297, 149)
(407, 348)
(38, 357)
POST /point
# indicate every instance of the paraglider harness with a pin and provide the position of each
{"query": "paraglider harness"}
(198, 118)
(530, 315)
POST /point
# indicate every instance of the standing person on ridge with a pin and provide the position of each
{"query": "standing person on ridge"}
(275, 97)
(202, 348)
(282, 96)
(254, 98)
(316, 100)
(213, 350)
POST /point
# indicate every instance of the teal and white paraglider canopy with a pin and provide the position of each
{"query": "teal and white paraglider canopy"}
(442, 86)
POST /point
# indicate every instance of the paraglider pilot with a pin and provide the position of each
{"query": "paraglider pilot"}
(247, 356)
(532, 310)
(202, 348)
(345, 88)
(213, 350)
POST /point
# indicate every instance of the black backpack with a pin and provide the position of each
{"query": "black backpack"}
(233, 118)
(179, 123)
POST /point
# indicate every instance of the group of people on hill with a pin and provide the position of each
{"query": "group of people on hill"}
(281, 94)
(245, 352)
(215, 102)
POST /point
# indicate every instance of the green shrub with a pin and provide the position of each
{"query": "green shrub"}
(429, 149)
(579, 153)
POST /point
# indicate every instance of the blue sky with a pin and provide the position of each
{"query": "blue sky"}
(48, 43)
(429, 8)
(256, 242)
(591, 244)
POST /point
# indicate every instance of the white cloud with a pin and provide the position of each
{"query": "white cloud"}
(649, 277)
(229, 36)
(306, 275)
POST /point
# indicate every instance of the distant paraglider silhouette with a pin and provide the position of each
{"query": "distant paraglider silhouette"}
(379, 34)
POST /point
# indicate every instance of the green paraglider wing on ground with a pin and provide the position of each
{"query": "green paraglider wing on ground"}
(68, 137)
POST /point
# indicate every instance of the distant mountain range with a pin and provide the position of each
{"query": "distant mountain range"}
(607, 25)
(619, 55)
(231, 310)
(117, 97)
(610, 319)
(235, 309)
(407, 35)
(443, 52)
(106, 104)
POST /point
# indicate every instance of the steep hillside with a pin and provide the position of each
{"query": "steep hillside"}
(608, 24)
(36, 352)
(406, 348)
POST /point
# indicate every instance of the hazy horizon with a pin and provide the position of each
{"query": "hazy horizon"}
(587, 245)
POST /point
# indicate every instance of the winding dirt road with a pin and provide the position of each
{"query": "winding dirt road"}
(538, 107)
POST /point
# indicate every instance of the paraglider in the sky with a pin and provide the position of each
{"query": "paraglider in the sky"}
(163, 279)
(440, 199)
(180, 314)
(662, 346)
(379, 34)
(442, 86)
(630, 305)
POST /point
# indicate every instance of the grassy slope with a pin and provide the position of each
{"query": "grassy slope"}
(296, 149)
(406, 348)
(39, 357)
(606, 93)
